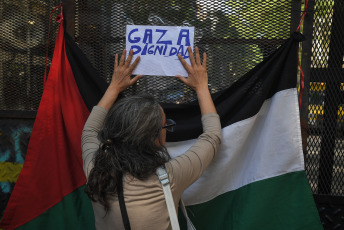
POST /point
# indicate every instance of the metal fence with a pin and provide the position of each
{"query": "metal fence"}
(23, 36)
(324, 157)
(322, 62)
(23, 42)
(236, 35)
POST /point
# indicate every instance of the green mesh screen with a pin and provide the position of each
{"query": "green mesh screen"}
(236, 35)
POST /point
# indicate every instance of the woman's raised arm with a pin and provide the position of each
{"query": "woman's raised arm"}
(120, 79)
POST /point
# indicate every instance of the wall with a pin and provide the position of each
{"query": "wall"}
(14, 140)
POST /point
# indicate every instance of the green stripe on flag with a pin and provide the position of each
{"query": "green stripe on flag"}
(73, 212)
(283, 202)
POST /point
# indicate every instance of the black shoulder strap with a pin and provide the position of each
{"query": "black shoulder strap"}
(124, 213)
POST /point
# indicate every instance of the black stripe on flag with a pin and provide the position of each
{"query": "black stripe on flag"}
(238, 102)
(91, 86)
(245, 97)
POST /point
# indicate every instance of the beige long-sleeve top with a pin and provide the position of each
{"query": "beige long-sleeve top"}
(145, 200)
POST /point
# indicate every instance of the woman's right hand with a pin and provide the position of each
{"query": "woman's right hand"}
(198, 80)
(197, 73)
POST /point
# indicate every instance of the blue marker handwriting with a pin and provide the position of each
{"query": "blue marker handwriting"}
(154, 42)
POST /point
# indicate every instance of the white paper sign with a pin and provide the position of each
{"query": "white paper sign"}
(158, 47)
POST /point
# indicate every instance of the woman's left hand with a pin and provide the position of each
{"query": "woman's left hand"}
(122, 72)
(120, 79)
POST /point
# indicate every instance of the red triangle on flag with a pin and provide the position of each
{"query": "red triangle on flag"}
(53, 164)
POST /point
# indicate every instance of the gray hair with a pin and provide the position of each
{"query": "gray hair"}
(132, 119)
(128, 145)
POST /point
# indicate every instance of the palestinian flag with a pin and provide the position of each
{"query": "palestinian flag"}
(49, 190)
(257, 180)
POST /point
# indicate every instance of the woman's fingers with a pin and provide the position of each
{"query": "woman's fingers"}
(198, 58)
(124, 68)
(135, 79)
(205, 60)
(191, 56)
(128, 61)
(116, 62)
(184, 63)
(121, 62)
(182, 79)
(133, 66)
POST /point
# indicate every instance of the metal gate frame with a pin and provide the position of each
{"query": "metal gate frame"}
(330, 203)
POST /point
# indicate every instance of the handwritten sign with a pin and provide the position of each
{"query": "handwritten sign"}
(158, 47)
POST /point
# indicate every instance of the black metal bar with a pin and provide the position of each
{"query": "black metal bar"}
(321, 75)
(330, 200)
(330, 211)
(331, 101)
(215, 40)
(69, 16)
(295, 15)
(306, 67)
(26, 114)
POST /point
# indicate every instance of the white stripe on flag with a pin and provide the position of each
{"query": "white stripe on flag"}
(263, 146)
